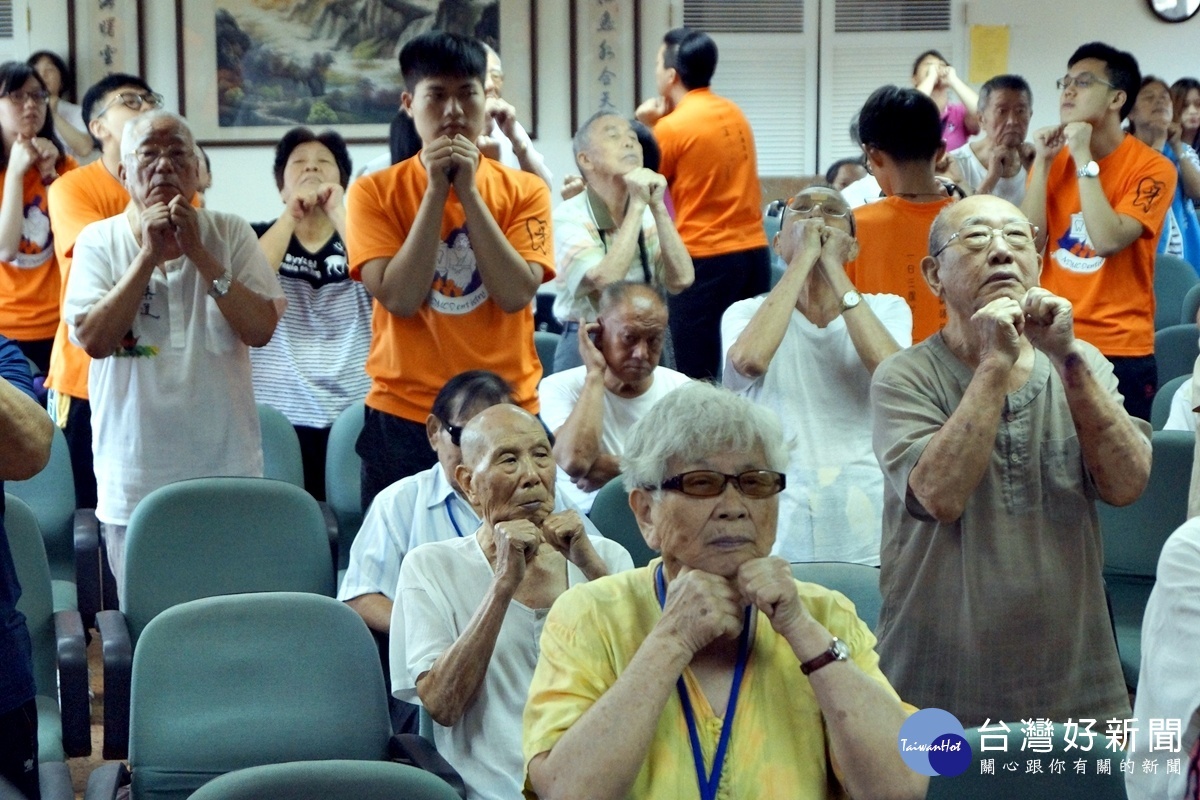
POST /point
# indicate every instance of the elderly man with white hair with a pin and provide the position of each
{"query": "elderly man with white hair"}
(167, 299)
(778, 679)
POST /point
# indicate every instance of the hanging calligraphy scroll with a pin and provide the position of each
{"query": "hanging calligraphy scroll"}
(605, 58)
(106, 37)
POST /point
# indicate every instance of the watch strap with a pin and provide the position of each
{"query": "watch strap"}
(834, 653)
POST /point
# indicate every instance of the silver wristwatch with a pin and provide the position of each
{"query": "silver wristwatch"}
(1089, 170)
(850, 300)
(220, 287)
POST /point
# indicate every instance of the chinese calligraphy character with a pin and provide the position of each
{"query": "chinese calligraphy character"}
(998, 740)
(1121, 734)
(1149, 767)
(103, 4)
(1174, 765)
(1039, 735)
(1058, 766)
(607, 77)
(606, 51)
(1071, 732)
(606, 103)
(1104, 766)
(1080, 767)
(1127, 766)
(108, 55)
(1033, 766)
(1166, 735)
(606, 22)
(987, 766)
(108, 27)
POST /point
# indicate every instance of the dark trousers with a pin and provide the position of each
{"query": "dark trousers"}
(391, 448)
(696, 312)
(313, 444)
(78, 432)
(37, 351)
(1137, 380)
(19, 749)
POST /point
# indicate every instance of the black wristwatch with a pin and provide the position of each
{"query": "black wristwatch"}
(838, 651)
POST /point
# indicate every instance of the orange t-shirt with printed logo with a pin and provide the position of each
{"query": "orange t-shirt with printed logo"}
(893, 237)
(1113, 297)
(30, 283)
(709, 160)
(458, 327)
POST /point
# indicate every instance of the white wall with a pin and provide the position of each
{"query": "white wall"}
(1043, 34)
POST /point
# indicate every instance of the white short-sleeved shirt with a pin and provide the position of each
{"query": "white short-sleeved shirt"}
(560, 393)
(832, 508)
(416, 510)
(175, 401)
(441, 586)
(974, 171)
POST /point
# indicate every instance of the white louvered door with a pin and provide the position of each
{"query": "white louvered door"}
(14, 30)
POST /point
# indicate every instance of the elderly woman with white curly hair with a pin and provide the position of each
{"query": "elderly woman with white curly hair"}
(711, 666)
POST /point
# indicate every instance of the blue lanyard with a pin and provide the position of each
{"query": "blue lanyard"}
(709, 783)
(450, 514)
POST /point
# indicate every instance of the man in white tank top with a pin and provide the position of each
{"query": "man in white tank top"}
(998, 162)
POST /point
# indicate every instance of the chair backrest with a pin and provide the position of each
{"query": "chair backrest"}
(1175, 350)
(1191, 306)
(214, 536)
(546, 344)
(225, 683)
(1160, 409)
(613, 516)
(1173, 279)
(327, 780)
(51, 495)
(343, 478)
(1134, 534)
(37, 602)
(281, 447)
(1061, 783)
(859, 582)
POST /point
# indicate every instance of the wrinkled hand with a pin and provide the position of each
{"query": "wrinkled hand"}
(517, 544)
(590, 482)
(837, 246)
(700, 608)
(1049, 322)
(1078, 136)
(654, 109)
(768, 585)
(503, 112)
(999, 325)
(801, 236)
(158, 235)
(488, 147)
(1047, 142)
(646, 185)
(1004, 161)
(564, 531)
(572, 185)
(593, 359)
(186, 223)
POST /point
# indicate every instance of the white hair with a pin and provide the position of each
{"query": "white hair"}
(137, 128)
(696, 421)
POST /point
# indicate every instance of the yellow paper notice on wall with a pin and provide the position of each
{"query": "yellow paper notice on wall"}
(989, 52)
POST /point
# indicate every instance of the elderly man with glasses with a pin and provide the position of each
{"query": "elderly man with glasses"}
(1099, 196)
(167, 299)
(713, 654)
(996, 436)
(807, 350)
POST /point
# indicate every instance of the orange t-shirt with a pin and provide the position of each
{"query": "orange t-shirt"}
(1113, 297)
(893, 237)
(458, 327)
(29, 284)
(709, 160)
(87, 195)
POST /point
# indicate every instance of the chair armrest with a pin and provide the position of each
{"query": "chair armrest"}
(117, 650)
(73, 684)
(331, 528)
(416, 751)
(54, 781)
(87, 564)
(105, 780)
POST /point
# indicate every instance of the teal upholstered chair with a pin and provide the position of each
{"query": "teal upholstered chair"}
(1191, 306)
(1173, 279)
(613, 516)
(59, 659)
(546, 344)
(237, 681)
(1133, 539)
(1175, 350)
(281, 447)
(859, 582)
(1160, 410)
(327, 780)
(200, 538)
(343, 478)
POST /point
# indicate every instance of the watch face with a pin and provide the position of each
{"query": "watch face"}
(850, 299)
(842, 649)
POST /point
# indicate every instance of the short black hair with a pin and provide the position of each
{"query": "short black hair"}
(442, 54)
(302, 135)
(95, 94)
(901, 122)
(836, 167)
(693, 56)
(403, 140)
(13, 77)
(651, 155)
(67, 90)
(1012, 83)
(1121, 70)
(925, 55)
(467, 389)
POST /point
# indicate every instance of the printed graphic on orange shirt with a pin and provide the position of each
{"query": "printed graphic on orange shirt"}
(36, 243)
(457, 285)
(1148, 192)
(537, 234)
(1075, 250)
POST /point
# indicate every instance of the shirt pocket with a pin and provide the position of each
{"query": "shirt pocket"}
(1064, 482)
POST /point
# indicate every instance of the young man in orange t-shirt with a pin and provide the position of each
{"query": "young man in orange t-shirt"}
(901, 133)
(1099, 197)
(452, 247)
(711, 167)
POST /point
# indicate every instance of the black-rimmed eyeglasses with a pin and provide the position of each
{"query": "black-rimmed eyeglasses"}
(757, 483)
